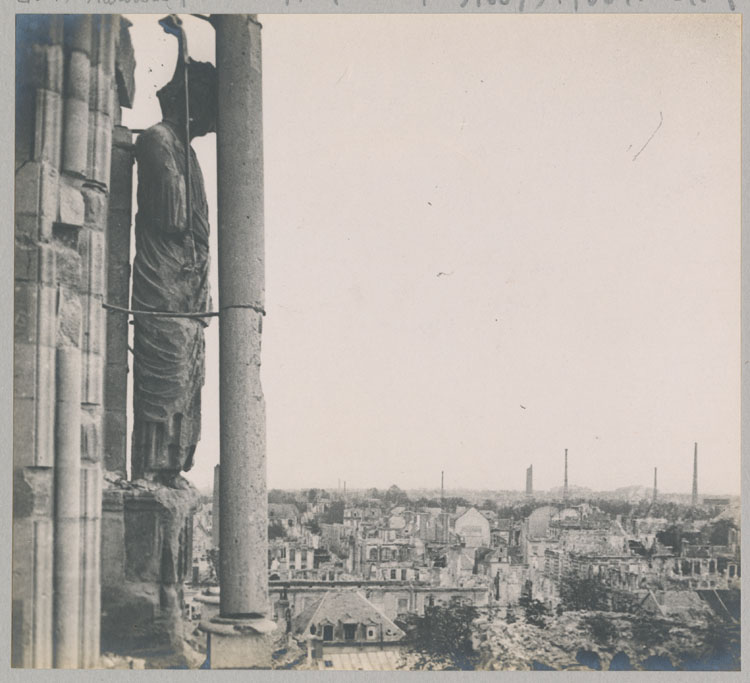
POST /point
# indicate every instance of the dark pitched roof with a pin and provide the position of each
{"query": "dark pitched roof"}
(346, 606)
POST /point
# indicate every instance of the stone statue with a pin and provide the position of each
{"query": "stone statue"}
(170, 274)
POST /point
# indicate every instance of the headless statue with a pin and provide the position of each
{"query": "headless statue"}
(170, 274)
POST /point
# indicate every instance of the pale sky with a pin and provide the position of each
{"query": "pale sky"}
(467, 214)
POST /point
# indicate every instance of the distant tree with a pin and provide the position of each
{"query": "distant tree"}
(613, 507)
(276, 530)
(700, 513)
(445, 633)
(674, 512)
(675, 534)
(451, 503)
(313, 527)
(534, 610)
(427, 502)
(718, 532)
(313, 495)
(395, 496)
(518, 511)
(335, 513)
(578, 593)
(671, 537)
(278, 496)
(504, 511)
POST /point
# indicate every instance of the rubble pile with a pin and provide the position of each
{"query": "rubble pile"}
(567, 642)
(288, 653)
(419, 661)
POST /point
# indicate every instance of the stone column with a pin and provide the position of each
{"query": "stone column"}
(66, 98)
(77, 84)
(67, 508)
(115, 429)
(241, 299)
(236, 637)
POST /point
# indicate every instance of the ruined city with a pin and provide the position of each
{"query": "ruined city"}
(128, 397)
(567, 579)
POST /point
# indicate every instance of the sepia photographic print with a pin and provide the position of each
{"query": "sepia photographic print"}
(376, 342)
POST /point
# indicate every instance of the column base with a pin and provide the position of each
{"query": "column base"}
(239, 643)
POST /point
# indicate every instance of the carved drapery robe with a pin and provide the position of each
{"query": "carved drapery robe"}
(170, 273)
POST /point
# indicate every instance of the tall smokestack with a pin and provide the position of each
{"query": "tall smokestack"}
(565, 485)
(695, 475)
(654, 498)
(530, 480)
(442, 487)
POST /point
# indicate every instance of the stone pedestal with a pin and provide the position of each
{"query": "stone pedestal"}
(146, 551)
(239, 643)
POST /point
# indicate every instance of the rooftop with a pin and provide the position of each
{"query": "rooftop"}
(346, 606)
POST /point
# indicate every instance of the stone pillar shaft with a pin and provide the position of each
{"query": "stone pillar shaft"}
(118, 293)
(67, 508)
(66, 84)
(244, 527)
(77, 84)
